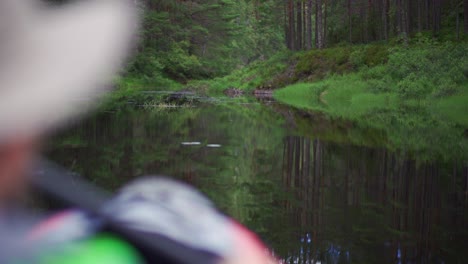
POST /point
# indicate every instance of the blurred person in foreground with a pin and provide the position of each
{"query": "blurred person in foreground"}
(54, 63)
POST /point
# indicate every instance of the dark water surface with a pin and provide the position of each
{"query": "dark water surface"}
(315, 190)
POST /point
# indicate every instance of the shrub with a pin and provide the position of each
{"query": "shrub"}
(146, 64)
(356, 57)
(316, 64)
(179, 64)
(414, 86)
(375, 55)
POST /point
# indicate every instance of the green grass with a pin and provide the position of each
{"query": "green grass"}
(340, 96)
(301, 95)
(257, 75)
(417, 96)
(287, 68)
(453, 108)
(130, 89)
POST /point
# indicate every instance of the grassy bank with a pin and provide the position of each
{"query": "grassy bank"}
(262, 74)
(286, 68)
(417, 94)
(133, 88)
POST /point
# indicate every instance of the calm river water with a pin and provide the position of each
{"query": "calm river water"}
(314, 189)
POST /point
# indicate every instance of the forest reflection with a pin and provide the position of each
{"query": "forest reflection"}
(310, 198)
(365, 205)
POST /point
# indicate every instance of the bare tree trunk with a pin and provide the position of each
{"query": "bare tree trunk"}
(458, 25)
(385, 18)
(409, 13)
(419, 6)
(308, 31)
(370, 22)
(304, 26)
(287, 34)
(377, 15)
(350, 21)
(465, 15)
(292, 30)
(366, 22)
(404, 20)
(427, 13)
(325, 24)
(399, 18)
(435, 15)
(299, 25)
(319, 24)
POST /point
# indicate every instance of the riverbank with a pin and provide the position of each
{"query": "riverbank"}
(432, 78)
(418, 94)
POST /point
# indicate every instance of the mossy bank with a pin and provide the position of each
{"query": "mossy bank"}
(417, 95)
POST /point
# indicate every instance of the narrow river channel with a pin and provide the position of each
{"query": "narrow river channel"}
(314, 189)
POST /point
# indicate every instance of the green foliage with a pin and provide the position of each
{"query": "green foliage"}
(133, 89)
(301, 95)
(180, 64)
(187, 40)
(317, 64)
(376, 54)
(436, 70)
(369, 55)
(453, 108)
(146, 64)
(419, 96)
(259, 74)
(414, 86)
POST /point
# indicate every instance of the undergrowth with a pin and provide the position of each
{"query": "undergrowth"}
(417, 94)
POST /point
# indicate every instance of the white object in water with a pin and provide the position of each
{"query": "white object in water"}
(191, 143)
(213, 146)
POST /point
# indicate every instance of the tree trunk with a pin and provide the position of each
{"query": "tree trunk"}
(292, 30)
(308, 30)
(286, 25)
(418, 4)
(325, 24)
(370, 22)
(409, 16)
(299, 26)
(399, 17)
(435, 16)
(350, 21)
(404, 20)
(366, 22)
(384, 18)
(304, 26)
(465, 15)
(319, 24)
(428, 14)
(458, 25)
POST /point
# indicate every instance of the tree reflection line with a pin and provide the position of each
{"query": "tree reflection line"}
(363, 199)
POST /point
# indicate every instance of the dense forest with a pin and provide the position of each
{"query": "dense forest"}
(200, 39)
(194, 39)
(321, 23)
(349, 59)
(364, 149)
(186, 40)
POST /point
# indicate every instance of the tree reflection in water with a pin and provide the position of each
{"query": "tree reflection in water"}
(310, 197)
(369, 205)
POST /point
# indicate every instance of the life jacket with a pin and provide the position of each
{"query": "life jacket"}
(151, 220)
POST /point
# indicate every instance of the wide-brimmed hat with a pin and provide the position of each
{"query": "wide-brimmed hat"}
(55, 61)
